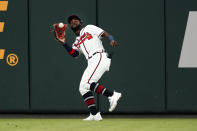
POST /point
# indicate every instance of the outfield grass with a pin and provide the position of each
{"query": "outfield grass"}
(116, 124)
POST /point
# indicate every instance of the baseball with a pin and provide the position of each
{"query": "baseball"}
(61, 25)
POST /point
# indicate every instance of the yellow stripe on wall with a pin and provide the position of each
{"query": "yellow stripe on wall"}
(1, 26)
(3, 5)
(2, 51)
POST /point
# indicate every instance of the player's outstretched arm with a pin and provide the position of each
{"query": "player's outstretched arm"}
(60, 36)
(113, 43)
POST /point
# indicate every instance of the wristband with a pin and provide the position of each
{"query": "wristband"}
(110, 37)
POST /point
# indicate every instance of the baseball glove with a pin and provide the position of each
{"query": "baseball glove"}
(58, 30)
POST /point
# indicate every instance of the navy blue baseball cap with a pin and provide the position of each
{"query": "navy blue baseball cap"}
(70, 18)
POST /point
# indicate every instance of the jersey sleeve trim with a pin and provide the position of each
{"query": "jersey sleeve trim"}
(101, 34)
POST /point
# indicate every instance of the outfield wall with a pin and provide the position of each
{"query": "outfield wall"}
(144, 67)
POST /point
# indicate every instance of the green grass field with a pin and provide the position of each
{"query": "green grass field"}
(115, 124)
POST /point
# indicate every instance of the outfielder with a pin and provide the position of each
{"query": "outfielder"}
(88, 42)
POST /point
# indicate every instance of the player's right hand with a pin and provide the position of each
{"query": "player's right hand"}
(113, 43)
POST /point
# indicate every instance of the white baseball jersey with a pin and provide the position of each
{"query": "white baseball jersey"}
(88, 42)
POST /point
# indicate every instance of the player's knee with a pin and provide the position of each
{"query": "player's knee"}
(83, 91)
(84, 85)
(84, 88)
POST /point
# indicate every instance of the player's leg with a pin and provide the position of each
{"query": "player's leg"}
(84, 87)
(103, 64)
(99, 64)
(113, 97)
(89, 99)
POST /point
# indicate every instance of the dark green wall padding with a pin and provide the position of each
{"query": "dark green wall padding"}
(55, 75)
(14, 87)
(181, 82)
(144, 66)
(137, 68)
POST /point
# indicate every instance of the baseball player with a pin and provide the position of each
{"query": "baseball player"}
(88, 42)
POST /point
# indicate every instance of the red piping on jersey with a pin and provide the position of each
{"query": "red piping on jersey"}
(95, 68)
(82, 41)
(86, 50)
(77, 44)
(87, 36)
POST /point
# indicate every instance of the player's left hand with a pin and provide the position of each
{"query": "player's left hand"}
(62, 40)
(113, 43)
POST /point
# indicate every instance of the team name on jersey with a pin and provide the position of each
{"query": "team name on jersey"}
(82, 39)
